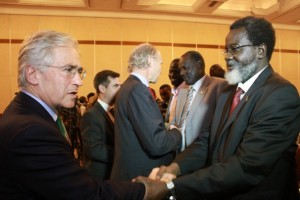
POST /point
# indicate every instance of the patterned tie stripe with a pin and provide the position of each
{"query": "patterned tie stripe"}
(236, 99)
(62, 129)
(186, 107)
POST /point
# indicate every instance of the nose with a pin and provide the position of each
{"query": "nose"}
(227, 55)
(77, 79)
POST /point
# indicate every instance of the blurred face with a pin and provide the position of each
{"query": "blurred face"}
(165, 94)
(174, 74)
(155, 68)
(241, 58)
(111, 90)
(55, 86)
(190, 70)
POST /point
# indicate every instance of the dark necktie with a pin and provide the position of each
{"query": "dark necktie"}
(111, 114)
(62, 129)
(152, 92)
(236, 99)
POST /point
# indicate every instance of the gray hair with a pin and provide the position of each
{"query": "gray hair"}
(36, 50)
(139, 58)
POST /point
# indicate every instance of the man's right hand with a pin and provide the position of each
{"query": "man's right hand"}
(165, 173)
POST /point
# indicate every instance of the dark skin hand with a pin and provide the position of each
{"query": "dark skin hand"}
(155, 189)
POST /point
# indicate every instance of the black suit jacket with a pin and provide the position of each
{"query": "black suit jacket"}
(37, 161)
(141, 139)
(249, 155)
(97, 131)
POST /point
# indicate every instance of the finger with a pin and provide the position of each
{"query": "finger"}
(153, 173)
(167, 177)
(138, 179)
(162, 170)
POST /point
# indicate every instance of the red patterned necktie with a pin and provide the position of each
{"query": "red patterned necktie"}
(236, 99)
(152, 92)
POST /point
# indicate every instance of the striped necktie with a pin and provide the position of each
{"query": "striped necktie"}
(186, 107)
(62, 129)
(184, 114)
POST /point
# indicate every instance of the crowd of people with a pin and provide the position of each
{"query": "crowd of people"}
(228, 135)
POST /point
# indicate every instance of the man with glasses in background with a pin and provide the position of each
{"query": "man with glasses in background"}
(249, 153)
(36, 159)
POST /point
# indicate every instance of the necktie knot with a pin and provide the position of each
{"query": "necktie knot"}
(236, 99)
(111, 113)
(62, 128)
(111, 110)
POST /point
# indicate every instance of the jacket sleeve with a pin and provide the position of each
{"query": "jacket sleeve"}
(148, 124)
(44, 166)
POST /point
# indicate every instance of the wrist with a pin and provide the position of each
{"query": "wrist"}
(171, 187)
(174, 169)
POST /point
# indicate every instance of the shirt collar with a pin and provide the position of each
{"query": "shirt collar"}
(175, 91)
(198, 84)
(142, 78)
(49, 110)
(104, 105)
(246, 86)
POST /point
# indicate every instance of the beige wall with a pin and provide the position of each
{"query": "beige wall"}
(106, 43)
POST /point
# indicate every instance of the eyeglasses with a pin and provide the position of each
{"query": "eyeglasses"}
(234, 49)
(71, 70)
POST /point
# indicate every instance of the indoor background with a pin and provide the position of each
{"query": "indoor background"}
(106, 42)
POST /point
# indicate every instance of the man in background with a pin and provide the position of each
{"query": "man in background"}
(216, 70)
(165, 94)
(37, 161)
(177, 83)
(141, 140)
(196, 103)
(97, 126)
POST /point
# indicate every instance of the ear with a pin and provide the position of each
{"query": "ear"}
(262, 50)
(150, 61)
(101, 88)
(31, 75)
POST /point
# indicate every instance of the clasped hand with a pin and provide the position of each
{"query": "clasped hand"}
(155, 184)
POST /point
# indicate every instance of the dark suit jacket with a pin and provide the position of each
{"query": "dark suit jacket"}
(141, 139)
(249, 155)
(97, 131)
(37, 161)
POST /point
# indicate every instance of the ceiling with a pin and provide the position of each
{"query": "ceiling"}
(282, 12)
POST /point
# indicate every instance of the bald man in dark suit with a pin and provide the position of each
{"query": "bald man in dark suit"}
(141, 139)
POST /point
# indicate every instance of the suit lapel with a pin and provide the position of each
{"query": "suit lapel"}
(257, 84)
(221, 113)
(182, 96)
(100, 109)
(34, 106)
(199, 96)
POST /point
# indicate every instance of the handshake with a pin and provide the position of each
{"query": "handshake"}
(158, 182)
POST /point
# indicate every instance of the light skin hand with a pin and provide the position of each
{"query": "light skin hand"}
(165, 173)
(173, 126)
(155, 189)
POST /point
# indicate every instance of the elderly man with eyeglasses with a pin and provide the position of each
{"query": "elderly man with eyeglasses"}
(249, 152)
(36, 159)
